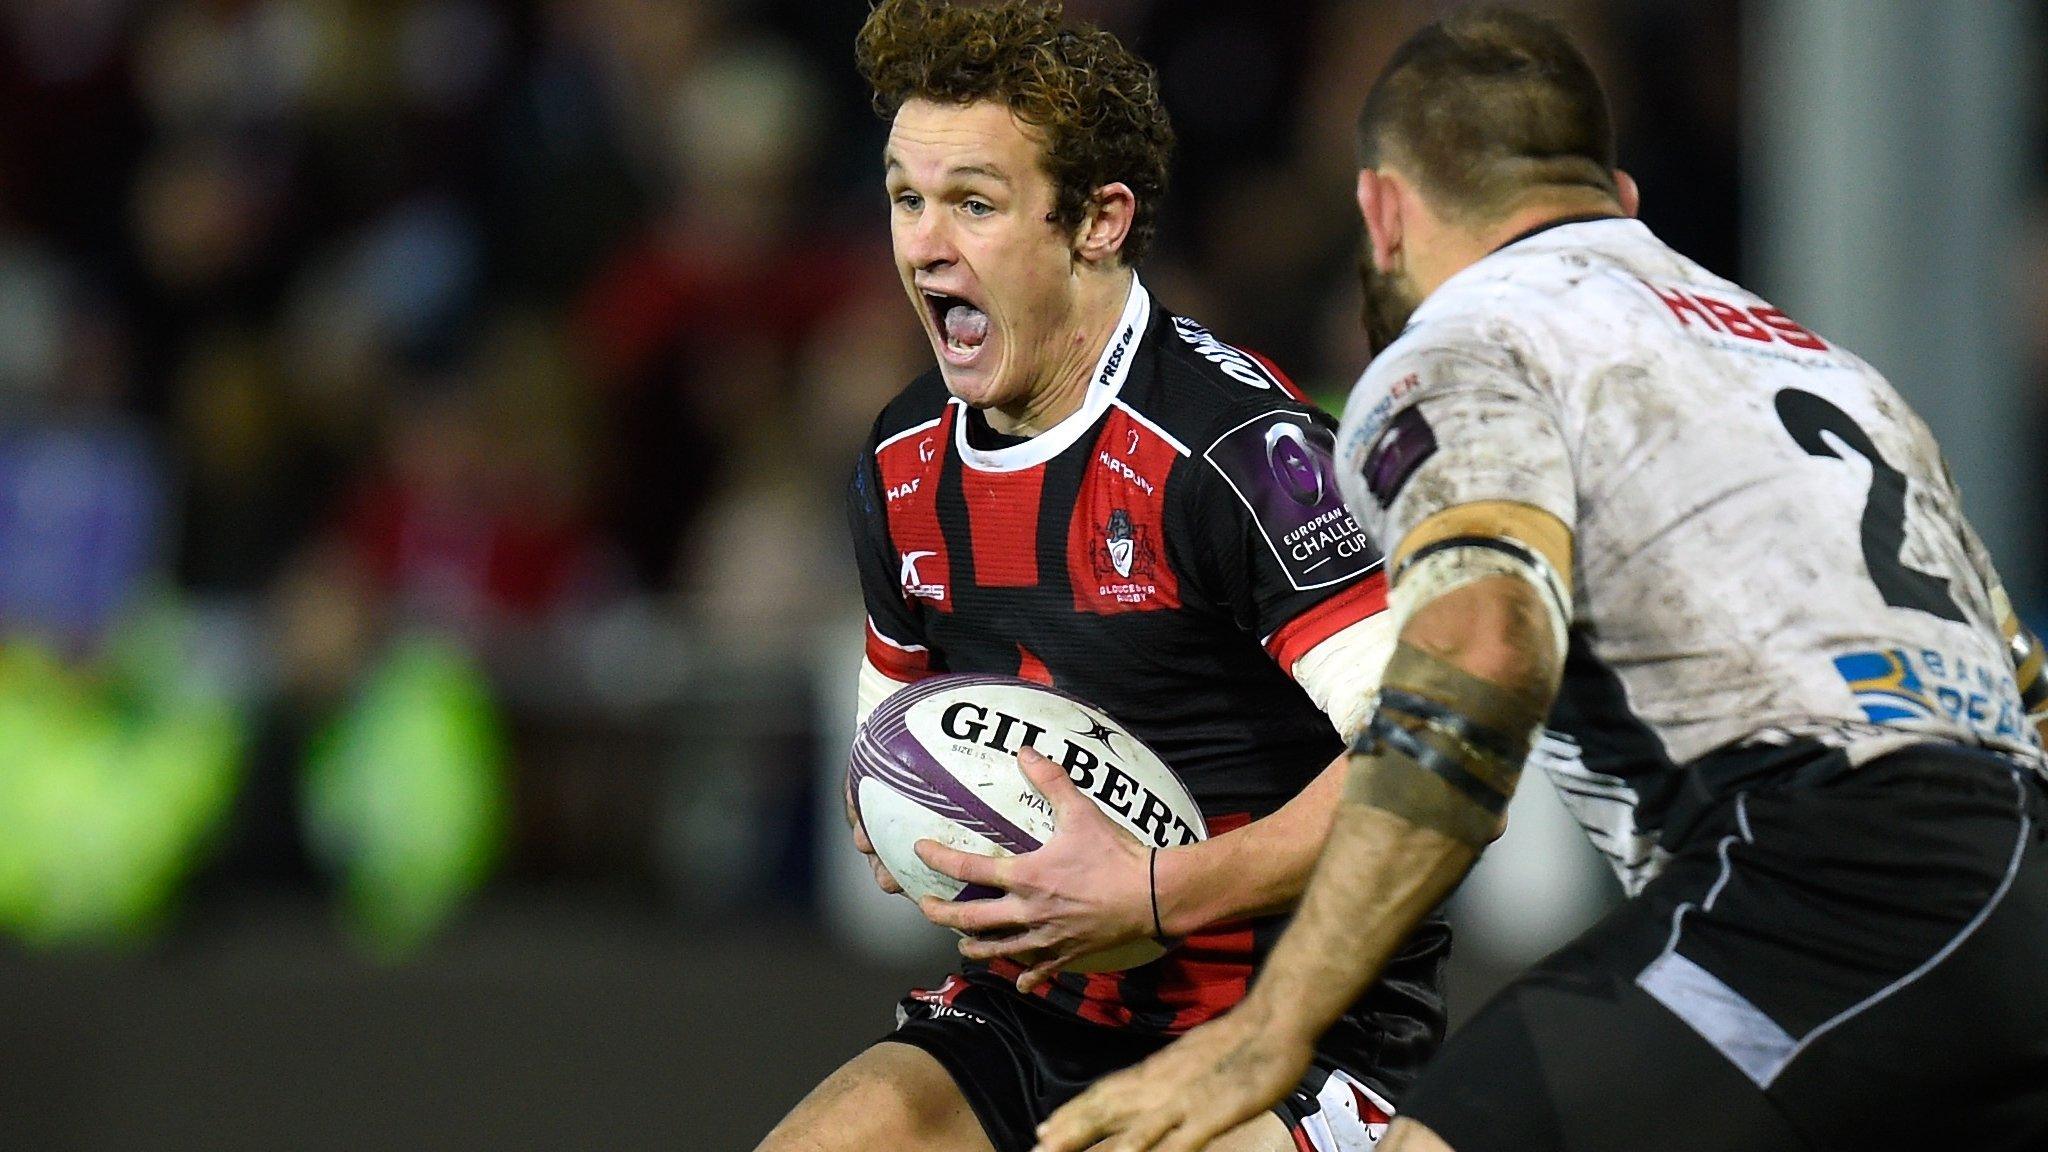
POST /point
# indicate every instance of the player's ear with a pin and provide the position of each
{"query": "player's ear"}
(1379, 204)
(1626, 191)
(1111, 212)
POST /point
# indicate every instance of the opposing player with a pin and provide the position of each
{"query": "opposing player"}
(1092, 492)
(1725, 558)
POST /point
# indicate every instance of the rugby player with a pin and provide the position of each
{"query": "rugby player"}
(1092, 492)
(1726, 560)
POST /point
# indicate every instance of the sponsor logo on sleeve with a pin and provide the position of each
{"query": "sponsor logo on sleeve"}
(1368, 426)
(1280, 466)
(1293, 463)
(1407, 441)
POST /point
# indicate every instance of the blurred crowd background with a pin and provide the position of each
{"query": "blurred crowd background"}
(423, 425)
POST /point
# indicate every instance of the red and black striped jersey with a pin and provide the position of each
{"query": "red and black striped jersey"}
(1167, 553)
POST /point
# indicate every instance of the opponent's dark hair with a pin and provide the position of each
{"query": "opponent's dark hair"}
(1095, 104)
(1487, 106)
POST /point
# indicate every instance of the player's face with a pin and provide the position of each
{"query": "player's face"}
(992, 277)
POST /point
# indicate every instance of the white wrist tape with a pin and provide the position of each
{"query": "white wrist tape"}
(873, 688)
(1342, 674)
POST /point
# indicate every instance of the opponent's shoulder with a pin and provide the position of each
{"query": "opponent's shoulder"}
(1485, 338)
(921, 404)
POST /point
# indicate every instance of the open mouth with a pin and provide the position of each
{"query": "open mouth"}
(961, 324)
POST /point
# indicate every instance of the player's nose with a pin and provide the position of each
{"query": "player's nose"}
(926, 242)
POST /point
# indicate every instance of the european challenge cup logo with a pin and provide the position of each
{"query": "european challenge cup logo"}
(1288, 456)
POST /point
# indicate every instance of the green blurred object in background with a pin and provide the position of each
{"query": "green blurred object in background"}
(112, 784)
(404, 795)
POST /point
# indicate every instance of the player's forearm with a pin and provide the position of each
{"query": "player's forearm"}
(1344, 931)
(1426, 790)
(1495, 631)
(1255, 870)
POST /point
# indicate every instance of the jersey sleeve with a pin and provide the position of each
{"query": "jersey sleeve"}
(1273, 542)
(895, 635)
(1452, 415)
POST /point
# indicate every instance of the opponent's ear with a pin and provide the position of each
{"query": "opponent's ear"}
(1111, 212)
(1379, 204)
(1631, 197)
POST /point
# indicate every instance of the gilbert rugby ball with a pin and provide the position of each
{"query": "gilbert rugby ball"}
(938, 761)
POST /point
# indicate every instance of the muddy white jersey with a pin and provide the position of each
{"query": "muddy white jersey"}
(1769, 553)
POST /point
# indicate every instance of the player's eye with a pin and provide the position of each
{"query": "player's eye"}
(977, 208)
(908, 201)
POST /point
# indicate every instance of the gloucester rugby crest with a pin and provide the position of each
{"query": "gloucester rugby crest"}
(1125, 549)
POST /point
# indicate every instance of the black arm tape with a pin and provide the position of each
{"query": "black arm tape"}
(1438, 716)
(1444, 747)
(1506, 718)
(1387, 778)
(1385, 732)
(1449, 542)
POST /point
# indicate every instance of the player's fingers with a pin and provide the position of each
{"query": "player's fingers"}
(1024, 943)
(975, 917)
(1052, 782)
(860, 838)
(967, 867)
(1192, 1134)
(1038, 974)
(883, 878)
(1025, 948)
(1142, 1132)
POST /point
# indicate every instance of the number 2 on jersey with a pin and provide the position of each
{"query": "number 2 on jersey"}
(1805, 417)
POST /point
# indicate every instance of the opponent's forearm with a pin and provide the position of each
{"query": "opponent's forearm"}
(1344, 931)
(1427, 788)
(1255, 870)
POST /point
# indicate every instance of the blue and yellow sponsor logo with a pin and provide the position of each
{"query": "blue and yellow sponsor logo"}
(1886, 686)
(1898, 685)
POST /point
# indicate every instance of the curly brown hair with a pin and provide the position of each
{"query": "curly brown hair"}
(1095, 104)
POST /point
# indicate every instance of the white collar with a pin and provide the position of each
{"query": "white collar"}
(1111, 369)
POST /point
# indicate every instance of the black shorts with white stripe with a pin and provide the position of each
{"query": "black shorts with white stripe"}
(1850, 965)
(1016, 1062)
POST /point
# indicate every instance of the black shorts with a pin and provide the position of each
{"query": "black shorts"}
(1860, 964)
(1017, 1062)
